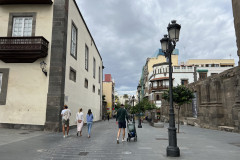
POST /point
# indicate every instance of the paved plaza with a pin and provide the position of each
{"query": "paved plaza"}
(194, 143)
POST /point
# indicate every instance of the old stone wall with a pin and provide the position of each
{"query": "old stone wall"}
(218, 101)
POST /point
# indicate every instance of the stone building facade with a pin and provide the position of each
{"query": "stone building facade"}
(217, 101)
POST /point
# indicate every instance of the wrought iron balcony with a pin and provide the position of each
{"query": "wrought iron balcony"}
(22, 49)
(25, 2)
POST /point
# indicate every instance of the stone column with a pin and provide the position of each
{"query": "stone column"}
(55, 97)
(236, 15)
(236, 106)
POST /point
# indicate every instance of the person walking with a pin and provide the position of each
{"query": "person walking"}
(89, 122)
(66, 113)
(121, 118)
(80, 120)
(108, 117)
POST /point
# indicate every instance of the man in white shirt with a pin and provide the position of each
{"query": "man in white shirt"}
(66, 113)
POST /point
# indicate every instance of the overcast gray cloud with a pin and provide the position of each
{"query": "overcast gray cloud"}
(128, 31)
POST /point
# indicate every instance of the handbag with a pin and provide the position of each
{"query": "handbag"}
(79, 121)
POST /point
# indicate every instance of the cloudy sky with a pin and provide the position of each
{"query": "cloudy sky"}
(126, 32)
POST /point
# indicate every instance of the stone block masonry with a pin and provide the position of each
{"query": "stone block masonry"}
(218, 101)
(55, 99)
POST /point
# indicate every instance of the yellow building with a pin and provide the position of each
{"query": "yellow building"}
(159, 57)
(211, 62)
(108, 91)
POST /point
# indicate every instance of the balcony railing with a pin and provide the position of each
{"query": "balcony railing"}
(25, 2)
(22, 49)
(159, 88)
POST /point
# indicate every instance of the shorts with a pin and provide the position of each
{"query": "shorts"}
(122, 124)
(65, 122)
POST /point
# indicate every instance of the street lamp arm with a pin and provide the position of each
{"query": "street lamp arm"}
(171, 46)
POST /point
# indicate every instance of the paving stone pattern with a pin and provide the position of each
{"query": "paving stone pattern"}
(194, 143)
(102, 145)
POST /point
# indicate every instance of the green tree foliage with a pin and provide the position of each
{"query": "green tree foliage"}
(116, 98)
(117, 106)
(126, 102)
(181, 95)
(142, 106)
(125, 96)
(128, 107)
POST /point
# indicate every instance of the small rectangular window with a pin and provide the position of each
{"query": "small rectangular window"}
(74, 41)
(99, 75)
(72, 75)
(93, 88)
(94, 68)
(202, 75)
(86, 57)
(98, 91)
(86, 83)
(4, 73)
(184, 81)
(0, 81)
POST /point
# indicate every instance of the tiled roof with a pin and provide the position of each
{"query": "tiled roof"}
(161, 78)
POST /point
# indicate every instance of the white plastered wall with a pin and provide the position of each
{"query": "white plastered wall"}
(27, 85)
(76, 95)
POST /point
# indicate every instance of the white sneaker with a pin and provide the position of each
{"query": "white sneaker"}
(123, 140)
(64, 136)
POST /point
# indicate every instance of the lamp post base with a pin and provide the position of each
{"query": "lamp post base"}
(139, 126)
(173, 151)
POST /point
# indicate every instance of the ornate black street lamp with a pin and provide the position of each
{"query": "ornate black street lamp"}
(168, 44)
(139, 117)
(133, 97)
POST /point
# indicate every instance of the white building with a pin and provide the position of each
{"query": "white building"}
(159, 79)
(209, 67)
(183, 74)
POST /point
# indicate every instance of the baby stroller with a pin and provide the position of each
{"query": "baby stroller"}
(131, 131)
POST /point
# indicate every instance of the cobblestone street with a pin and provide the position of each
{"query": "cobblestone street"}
(194, 143)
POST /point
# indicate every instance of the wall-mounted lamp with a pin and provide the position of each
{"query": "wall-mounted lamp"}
(43, 67)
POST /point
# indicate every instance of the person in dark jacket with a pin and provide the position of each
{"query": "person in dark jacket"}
(121, 118)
